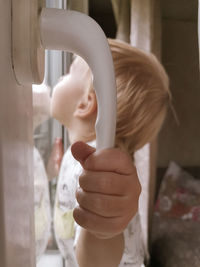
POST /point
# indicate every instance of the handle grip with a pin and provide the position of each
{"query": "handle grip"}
(78, 33)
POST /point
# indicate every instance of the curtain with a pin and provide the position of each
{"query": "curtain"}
(139, 22)
(146, 35)
(121, 10)
(146, 25)
(78, 5)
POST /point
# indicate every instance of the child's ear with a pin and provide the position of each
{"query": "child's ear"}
(87, 106)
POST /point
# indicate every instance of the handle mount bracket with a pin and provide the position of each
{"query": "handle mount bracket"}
(27, 51)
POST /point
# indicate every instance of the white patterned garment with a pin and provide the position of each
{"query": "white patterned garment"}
(67, 231)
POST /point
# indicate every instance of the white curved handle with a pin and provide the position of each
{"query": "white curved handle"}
(78, 33)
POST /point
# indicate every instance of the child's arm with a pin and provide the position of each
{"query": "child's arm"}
(108, 199)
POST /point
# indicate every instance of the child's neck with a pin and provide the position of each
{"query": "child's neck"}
(84, 132)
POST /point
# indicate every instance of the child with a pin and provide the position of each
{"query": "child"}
(108, 191)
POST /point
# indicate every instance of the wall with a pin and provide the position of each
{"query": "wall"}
(181, 143)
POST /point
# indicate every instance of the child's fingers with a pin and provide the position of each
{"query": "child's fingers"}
(99, 224)
(105, 182)
(106, 205)
(110, 160)
(113, 160)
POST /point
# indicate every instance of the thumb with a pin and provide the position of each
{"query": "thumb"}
(81, 151)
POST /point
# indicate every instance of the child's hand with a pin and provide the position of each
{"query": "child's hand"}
(109, 190)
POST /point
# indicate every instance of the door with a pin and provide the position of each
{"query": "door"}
(16, 142)
(16, 169)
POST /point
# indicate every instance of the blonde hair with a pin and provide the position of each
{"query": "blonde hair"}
(142, 95)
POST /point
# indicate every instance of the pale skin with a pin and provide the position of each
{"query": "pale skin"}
(109, 187)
